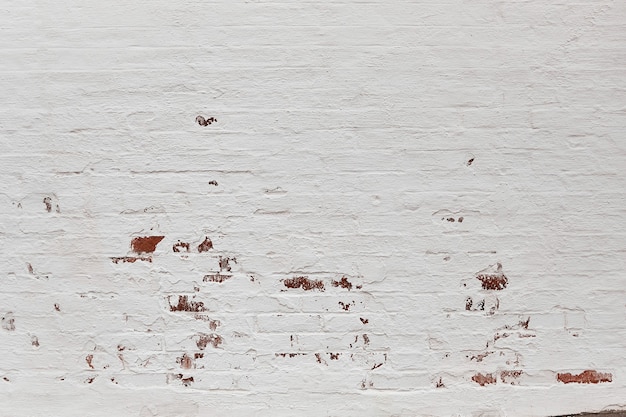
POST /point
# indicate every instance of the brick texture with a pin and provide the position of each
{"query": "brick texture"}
(352, 208)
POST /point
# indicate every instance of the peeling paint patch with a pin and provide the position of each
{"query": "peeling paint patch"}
(219, 278)
(185, 305)
(305, 283)
(131, 259)
(485, 379)
(343, 283)
(206, 245)
(208, 339)
(145, 244)
(493, 280)
(586, 377)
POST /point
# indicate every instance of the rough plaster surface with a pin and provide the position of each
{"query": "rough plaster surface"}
(398, 208)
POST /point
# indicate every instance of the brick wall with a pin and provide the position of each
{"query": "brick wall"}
(350, 208)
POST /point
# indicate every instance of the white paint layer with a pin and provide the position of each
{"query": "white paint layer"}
(388, 208)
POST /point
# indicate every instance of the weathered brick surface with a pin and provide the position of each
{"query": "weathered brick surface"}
(281, 208)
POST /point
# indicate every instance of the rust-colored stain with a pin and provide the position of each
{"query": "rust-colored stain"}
(185, 362)
(205, 122)
(219, 278)
(510, 377)
(145, 244)
(483, 380)
(305, 283)
(208, 339)
(493, 281)
(131, 259)
(364, 321)
(185, 305)
(586, 377)
(343, 283)
(206, 245)
(88, 359)
(179, 246)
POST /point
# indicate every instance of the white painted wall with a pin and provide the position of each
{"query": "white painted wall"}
(347, 134)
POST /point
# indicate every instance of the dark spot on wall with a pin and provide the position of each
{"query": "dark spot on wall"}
(305, 283)
(219, 278)
(450, 219)
(34, 341)
(468, 303)
(89, 359)
(114, 381)
(50, 205)
(460, 219)
(179, 246)
(469, 162)
(524, 324)
(481, 305)
(121, 348)
(30, 268)
(205, 122)
(208, 339)
(185, 362)
(90, 380)
(185, 305)
(187, 381)
(364, 321)
(346, 306)
(198, 355)
(57, 307)
(485, 379)
(145, 244)
(206, 245)
(225, 263)
(343, 283)
(366, 339)
(5, 378)
(131, 259)
(8, 322)
(439, 384)
(378, 365)
(358, 287)
(334, 356)
(291, 355)
(586, 377)
(213, 182)
(510, 377)
(479, 357)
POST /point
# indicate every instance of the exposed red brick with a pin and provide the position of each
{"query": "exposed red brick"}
(185, 305)
(219, 278)
(208, 339)
(343, 283)
(493, 282)
(206, 245)
(586, 377)
(131, 259)
(145, 244)
(483, 380)
(305, 283)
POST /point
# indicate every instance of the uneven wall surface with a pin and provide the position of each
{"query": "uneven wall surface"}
(385, 208)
